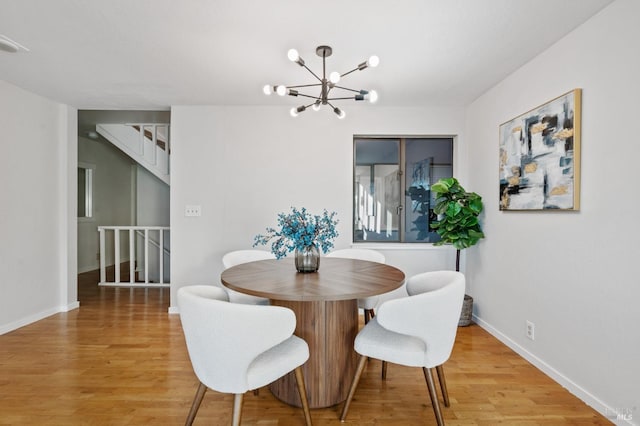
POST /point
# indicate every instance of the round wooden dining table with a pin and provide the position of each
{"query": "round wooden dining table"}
(326, 308)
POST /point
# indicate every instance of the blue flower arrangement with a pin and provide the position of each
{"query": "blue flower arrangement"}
(300, 229)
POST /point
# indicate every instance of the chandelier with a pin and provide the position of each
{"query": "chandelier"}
(329, 88)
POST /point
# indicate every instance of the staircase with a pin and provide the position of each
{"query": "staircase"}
(148, 144)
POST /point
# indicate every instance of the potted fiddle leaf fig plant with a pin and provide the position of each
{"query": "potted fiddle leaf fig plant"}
(458, 225)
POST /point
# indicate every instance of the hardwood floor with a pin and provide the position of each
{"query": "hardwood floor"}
(121, 360)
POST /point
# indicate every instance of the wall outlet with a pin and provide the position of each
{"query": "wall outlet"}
(191, 210)
(531, 330)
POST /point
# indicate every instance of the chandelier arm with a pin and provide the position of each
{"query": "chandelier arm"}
(312, 97)
(312, 73)
(338, 111)
(340, 99)
(304, 85)
(360, 67)
(346, 88)
(349, 72)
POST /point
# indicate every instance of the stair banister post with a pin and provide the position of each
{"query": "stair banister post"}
(116, 247)
(103, 267)
(132, 256)
(146, 255)
(141, 139)
(154, 138)
(161, 252)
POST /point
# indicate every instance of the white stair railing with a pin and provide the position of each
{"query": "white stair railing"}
(154, 261)
(146, 143)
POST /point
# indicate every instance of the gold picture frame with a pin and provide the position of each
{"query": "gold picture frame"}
(539, 164)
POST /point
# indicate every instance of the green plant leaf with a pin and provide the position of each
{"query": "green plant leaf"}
(439, 188)
(459, 212)
(453, 209)
(471, 221)
(441, 207)
(475, 204)
(476, 234)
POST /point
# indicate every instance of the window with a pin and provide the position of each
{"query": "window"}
(391, 187)
(85, 190)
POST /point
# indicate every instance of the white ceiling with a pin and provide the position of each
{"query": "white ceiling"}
(151, 54)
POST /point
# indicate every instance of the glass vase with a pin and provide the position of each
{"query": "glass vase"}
(307, 259)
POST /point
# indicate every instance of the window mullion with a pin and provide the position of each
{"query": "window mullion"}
(401, 181)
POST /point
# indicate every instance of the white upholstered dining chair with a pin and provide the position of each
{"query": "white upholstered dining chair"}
(416, 331)
(367, 304)
(235, 348)
(237, 257)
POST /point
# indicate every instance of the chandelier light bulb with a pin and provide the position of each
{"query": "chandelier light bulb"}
(340, 113)
(267, 89)
(334, 77)
(373, 61)
(293, 55)
(316, 106)
(281, 90)
(373, 96)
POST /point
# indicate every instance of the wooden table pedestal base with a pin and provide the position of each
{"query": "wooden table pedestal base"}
(329, 328)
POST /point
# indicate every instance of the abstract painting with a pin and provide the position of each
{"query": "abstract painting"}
(540, 157)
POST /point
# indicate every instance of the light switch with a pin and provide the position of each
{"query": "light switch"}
(192, 210)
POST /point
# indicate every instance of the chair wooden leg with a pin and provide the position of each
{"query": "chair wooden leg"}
(302, 390)
(368, 314)
(433, 395)
(443, 385)
(384, 370)
(195, 405)
(354, 385)
(237, 408)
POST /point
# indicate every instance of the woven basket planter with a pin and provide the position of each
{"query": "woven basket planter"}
(467, 311)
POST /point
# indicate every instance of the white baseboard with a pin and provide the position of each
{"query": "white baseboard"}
(6, 328)
(70, 307)
(610, 413)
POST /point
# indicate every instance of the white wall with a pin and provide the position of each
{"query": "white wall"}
(572, 274)
(68, 229)
(152, 199)
(37, 170)
(113, 199)
(244, 165)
